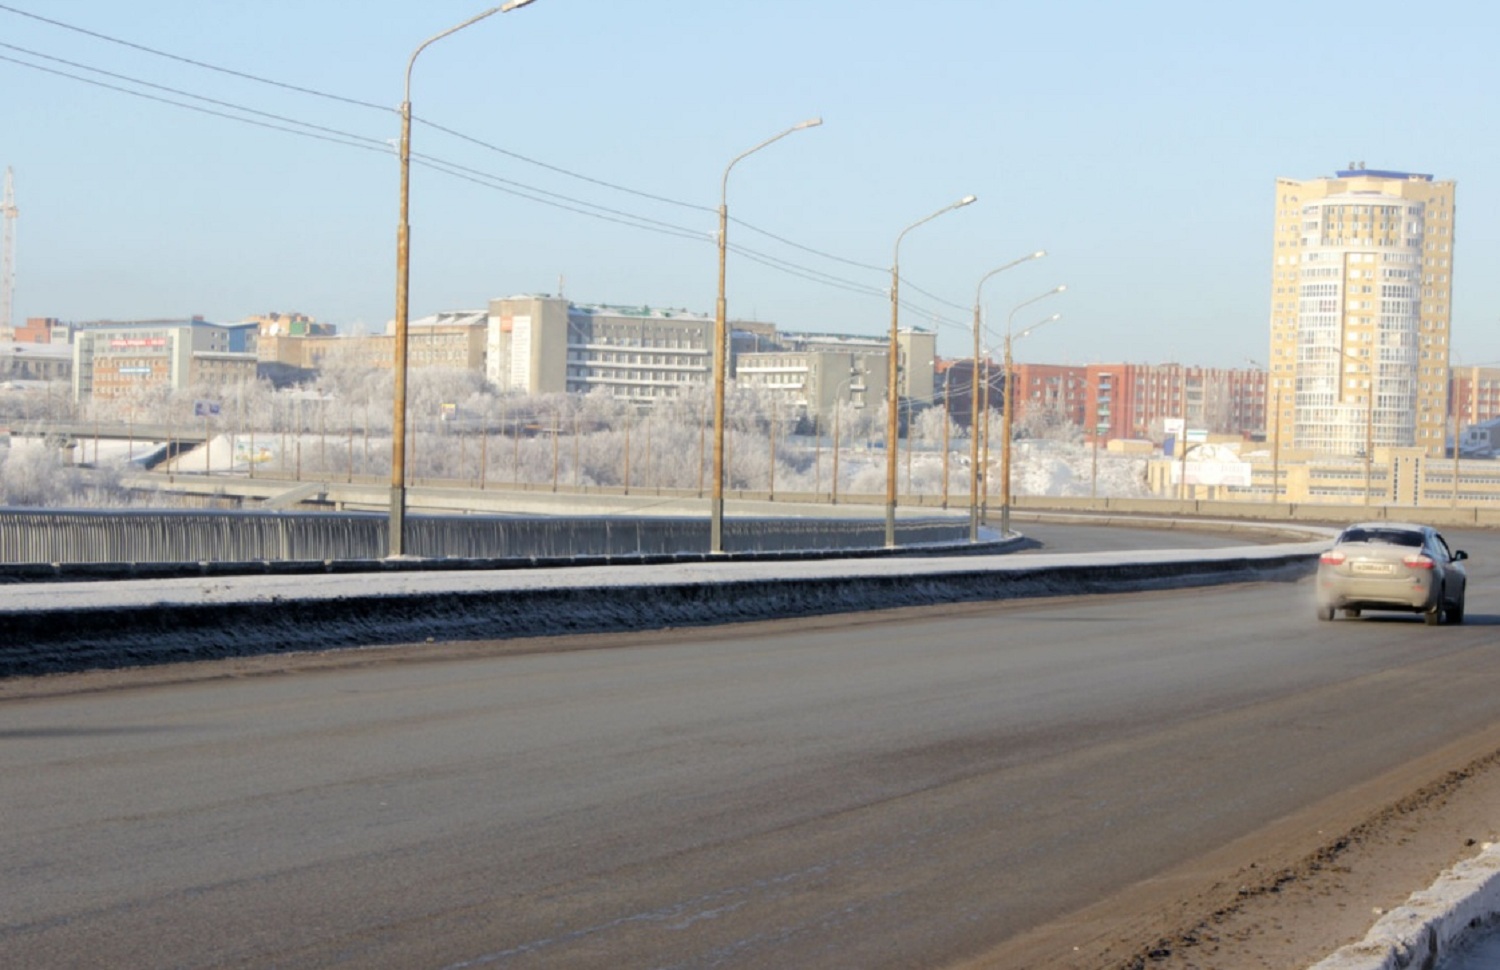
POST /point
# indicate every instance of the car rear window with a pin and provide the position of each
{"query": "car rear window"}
(1389, 537)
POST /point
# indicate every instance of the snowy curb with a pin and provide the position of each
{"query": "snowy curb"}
(1432, 924)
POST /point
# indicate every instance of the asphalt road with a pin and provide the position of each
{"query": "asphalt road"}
(911, 788)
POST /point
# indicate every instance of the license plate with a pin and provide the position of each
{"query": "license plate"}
(1374, 568)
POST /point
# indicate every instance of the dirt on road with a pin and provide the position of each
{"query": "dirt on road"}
(1290, 895)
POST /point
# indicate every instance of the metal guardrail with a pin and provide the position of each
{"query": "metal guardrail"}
(171, 536)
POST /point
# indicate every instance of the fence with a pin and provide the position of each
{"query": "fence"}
(156, 536)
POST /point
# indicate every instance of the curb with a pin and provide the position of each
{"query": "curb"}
(1433, 924)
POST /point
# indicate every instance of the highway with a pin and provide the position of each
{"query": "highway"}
(1028, 783)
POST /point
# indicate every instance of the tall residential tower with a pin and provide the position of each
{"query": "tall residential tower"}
(1361, 309)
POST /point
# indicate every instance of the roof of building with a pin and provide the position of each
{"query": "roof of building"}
(23, 350)
(1382, 173)
(644, 312)
(452, 318)
(168, 323)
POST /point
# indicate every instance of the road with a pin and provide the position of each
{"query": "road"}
(1028, 783)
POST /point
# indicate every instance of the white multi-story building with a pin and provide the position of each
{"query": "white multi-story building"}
(546, 345)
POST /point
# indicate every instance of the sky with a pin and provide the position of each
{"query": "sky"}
(579, 146)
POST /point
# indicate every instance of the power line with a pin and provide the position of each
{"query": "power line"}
(809, 249)
(625, 219)
(186, 94)
(349, 140)
(188, 60)
(455, 168)
(561, 171)
(324, 133)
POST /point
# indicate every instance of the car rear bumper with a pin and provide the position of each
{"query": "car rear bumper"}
(1345, 592)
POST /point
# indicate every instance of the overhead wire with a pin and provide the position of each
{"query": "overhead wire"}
(340, 138)
(521, 190)
(559, 170)
(607, 215)
(181, 93)
(188, 60)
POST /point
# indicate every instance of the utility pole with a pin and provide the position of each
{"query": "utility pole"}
(8, 257)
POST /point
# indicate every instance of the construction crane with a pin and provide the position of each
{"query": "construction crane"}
(8, 257)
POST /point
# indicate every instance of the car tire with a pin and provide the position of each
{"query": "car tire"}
(1434, 616)
(1325, 613)
(1352, 614)
(1456, 612)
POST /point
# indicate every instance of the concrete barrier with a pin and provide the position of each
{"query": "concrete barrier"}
(1433, 925)
(56, 627)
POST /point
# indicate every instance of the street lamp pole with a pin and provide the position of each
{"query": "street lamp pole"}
(974, 401)
(893, 390)
(1010, 403)
(397, 541)
(721, 345)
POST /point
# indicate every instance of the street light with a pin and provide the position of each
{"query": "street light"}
(893, 392)
(1010, 402)
(397, 542)
(721, 344)
(974, 402)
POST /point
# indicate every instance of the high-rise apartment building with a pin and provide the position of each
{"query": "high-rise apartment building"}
(1361, 308)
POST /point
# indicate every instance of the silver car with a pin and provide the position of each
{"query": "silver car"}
(1392, 566)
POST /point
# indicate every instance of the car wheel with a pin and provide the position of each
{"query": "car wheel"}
(1456, 612)
(1325, 612)
(1434, 616)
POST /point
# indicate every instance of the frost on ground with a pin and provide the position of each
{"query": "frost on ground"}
(337, 425)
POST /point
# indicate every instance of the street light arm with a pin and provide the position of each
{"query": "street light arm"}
(1038, 325)
(1020, 306)
(978, 291)
(506, 7)
(896, 257)
(724, 185)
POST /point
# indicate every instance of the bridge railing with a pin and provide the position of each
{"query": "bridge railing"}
(178, 536)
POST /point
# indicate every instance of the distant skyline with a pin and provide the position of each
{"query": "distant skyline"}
(586, 140)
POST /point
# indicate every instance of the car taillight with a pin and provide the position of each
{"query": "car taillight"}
(1417, 561)
(1332, 558)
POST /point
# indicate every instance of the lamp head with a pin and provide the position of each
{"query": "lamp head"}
(809, 123)
(967, 199)
(512, 5)
(1039, 254)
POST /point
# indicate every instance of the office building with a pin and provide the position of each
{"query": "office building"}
(118, 359)
(547, 345)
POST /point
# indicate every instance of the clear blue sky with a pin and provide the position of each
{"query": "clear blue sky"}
(1138, 143)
